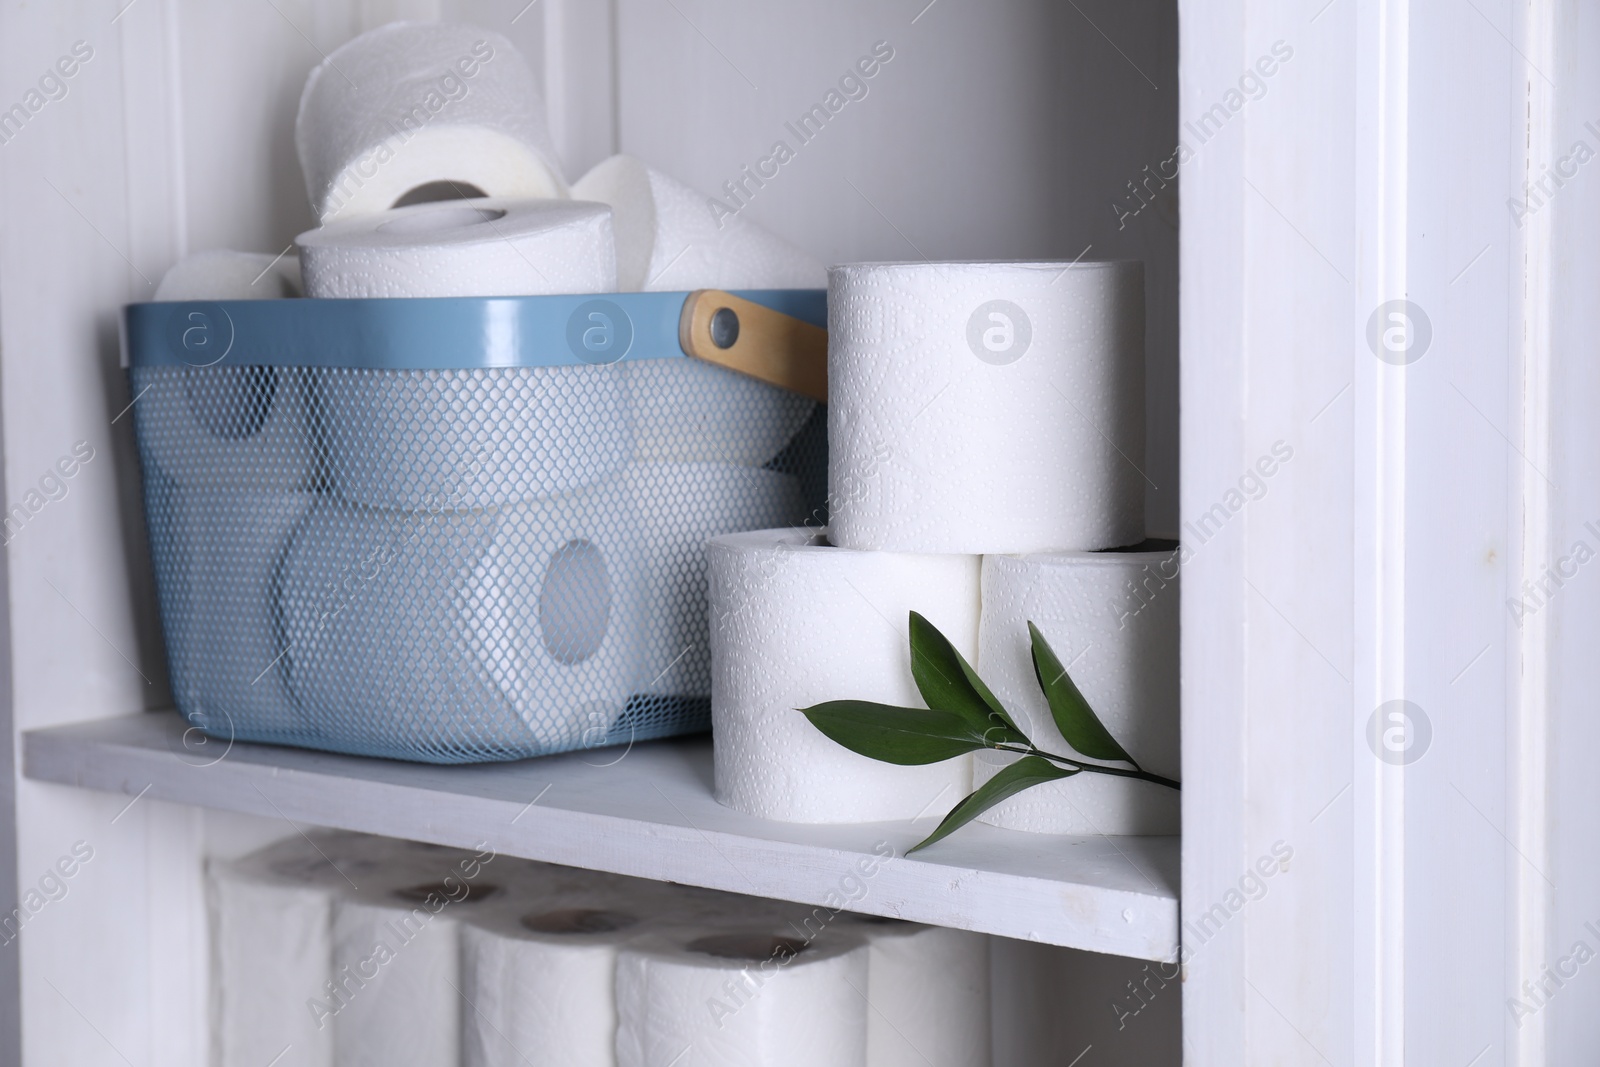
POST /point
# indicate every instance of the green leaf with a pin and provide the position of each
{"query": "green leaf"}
(947, 682)
(905, 736)
(1026, 772)
(1074, 718)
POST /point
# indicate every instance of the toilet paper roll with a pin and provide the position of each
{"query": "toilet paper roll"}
(397, 975)
(1112, 617)
(986, 407)
(224, 638)
(227, 429)
(271, 943)
(415, 105)
(796, 622)
(465, 632)
(685, 504)
(473, 438)
(226, 275)
(929, 991)
(670, 237)
(482, 247)
(748, 999)
(689, 411)
(542, 980)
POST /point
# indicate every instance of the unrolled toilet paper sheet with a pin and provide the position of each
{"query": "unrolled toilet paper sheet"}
(415, 104)
(795, 622)
(1112, 617)
(986, 407)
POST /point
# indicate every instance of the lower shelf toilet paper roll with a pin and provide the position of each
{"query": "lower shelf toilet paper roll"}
(472, 632)
(1113, 618)
(796, 622)
(416, 104)
(929, 991)
(224, 639)
(542, 977)
(731, 999)
(481, 247)
(227, 275)
(396, 972)
(670, 237)
(469, 437)
(271, 953)
(683, 505)
(986, 407)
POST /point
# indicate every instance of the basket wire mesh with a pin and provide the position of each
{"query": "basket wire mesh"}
(456, 565)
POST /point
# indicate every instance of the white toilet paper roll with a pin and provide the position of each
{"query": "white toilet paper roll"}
(227, 429)
(223, 636)
(747, 999)
(689, 411)
(1112, 617)
(986, 407)
(473, 438)
(411, 105)
(482, 247)
(929, 991)
(226, 275)
(396, 964)
(271, 943)
(795, 622)
(542, 982)
(670, 237)
(465, 631)
(684, 504)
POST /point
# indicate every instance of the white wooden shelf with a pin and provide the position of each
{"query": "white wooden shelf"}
(651, 814)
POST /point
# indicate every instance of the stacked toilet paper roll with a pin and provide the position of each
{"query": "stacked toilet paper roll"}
(986, 407)
(228, 275)
(278, 993)
(396, 954)
(795, 622)
(413, 107)
(540, 970)
(482, 247)
(224, 636)
(471, 631)
(683, 504)
(670, 237)
(1113, 617)
(929, 991)
(750, 998)
(271, 952)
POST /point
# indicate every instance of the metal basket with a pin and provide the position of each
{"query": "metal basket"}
(451, 530)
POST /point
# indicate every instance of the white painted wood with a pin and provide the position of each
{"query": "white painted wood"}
(650, 814)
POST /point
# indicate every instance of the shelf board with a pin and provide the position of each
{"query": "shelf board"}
(650, 813)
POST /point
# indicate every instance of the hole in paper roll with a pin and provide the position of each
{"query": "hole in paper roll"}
(230, 402)
(431, 192)
(443, 217)
(453, 890)
(754, 947)
(578, 921)
(574, 602)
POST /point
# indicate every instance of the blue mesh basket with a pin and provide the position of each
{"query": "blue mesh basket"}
(451, 530)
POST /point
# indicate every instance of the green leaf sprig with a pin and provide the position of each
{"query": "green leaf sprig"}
(963, 715)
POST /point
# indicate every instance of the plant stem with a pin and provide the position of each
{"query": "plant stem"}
(1141, 775)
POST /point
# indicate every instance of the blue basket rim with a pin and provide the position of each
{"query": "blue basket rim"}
(432, 333)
